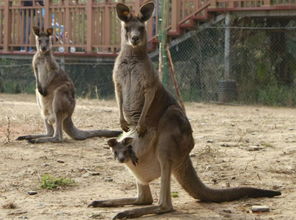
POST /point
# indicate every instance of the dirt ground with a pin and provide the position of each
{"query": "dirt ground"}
(235, 145)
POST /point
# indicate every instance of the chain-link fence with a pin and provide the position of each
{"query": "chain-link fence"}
(262, 63)
(92, 79)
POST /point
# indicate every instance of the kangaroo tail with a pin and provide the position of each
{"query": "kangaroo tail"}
(78, 134)
(187, 177)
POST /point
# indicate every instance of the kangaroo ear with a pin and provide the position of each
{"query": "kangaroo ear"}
(146, 11)
(112, 142)
(36, 30)
(127, 141)
(123, 12)
(49, 31)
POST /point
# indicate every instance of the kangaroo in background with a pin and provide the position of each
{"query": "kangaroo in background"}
(162, 139)
(55, 96)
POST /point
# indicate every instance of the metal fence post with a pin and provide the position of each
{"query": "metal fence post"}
(227, 47)
(163, 41)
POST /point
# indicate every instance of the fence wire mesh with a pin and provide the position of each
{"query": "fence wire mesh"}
(262, 63)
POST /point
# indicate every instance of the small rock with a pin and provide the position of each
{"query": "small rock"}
(96, 216)
(210, 141)
(60, 161)
(95, 174)
(192, 155)
(260, 208)
(85, 174)
(32, 193)
(227, 211)
(108, 180)
(254, 148)
(225, 145)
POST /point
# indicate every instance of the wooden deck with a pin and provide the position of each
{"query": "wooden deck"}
(90, 27)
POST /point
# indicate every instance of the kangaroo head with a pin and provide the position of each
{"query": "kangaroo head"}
(133, 27)
(123, 150)
(43, 39)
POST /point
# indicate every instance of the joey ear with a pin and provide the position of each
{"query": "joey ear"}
(49, 31)
(112, 142)
(146, 11)
(36, 30)
(127, 141)
(123, 12)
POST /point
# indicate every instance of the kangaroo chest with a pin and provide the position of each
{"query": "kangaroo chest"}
(132, 77)
(44, 71)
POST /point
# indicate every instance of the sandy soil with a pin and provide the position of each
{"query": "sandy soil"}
(235, 145)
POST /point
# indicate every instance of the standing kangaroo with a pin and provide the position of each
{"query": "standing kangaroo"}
(55, 96)
(163, 138)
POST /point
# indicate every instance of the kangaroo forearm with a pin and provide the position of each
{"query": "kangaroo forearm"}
(149, 97)
(119, 101)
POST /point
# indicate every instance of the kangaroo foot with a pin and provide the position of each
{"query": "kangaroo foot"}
(135, 213)
(113, 202)
(44, 140)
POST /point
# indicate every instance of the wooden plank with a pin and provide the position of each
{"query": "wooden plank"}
(176, 6)
(6, 25)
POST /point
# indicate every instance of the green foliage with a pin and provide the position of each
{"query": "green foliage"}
(277, 95)
(51, 182)
(175, 194)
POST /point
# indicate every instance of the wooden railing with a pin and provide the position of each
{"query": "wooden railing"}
(91, 26)
(252, 4)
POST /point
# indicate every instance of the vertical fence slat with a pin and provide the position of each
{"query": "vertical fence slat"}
(6, 25)
(176, 7)
(107, 26)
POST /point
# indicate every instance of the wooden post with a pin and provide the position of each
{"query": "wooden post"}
(47, 17)
(137, 6)
(227, 47)
(175, 15)
(267, 3)
(231, 4)
(107, 23)
(67, 27)
(213, 4)
(6, 25)
(89, 26)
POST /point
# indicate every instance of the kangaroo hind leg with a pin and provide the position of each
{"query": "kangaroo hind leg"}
(49, 133)
(144, 198)
(61, 109)
(165, 202)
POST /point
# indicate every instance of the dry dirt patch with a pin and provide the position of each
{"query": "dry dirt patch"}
(235, 145)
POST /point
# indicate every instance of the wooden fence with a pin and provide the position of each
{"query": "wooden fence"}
(91, 26)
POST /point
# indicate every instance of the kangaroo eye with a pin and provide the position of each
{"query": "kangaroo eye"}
(47, 41)
(127, 29)
(39, 41)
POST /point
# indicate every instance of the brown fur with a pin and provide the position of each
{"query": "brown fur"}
(55, 95)
(163, 139)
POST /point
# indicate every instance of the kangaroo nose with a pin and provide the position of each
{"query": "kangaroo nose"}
(135, 38)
